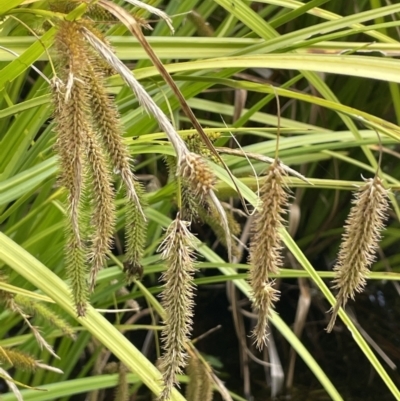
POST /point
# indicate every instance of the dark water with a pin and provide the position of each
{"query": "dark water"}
(377, 310)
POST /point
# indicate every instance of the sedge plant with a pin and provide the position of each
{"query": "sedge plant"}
(109, 175)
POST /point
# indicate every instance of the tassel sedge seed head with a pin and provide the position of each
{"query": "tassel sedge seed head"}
(360, 241)
(177, 250)
(266, 247)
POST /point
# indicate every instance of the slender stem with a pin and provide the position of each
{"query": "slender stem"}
(179, 192)
(37, 12)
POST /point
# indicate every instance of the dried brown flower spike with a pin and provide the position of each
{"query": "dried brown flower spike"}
(265, 247)
(177, 299)
(360, 242)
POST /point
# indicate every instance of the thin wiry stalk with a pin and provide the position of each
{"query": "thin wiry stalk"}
(361, 237)
(103, 215)
(262, 158)
(266, 246)
(225, 395)
(177, 299)
(45, 78)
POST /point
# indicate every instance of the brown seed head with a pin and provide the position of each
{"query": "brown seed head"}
(264, 303)
(196, 171)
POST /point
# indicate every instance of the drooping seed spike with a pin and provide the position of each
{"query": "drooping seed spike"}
(264, 303)
(135, 228)
(102, 199)
(266, 245)
(17, 359)
(122, 390)
(360, 241)
(200, 386)
(177, 299)
(73, 123)
(108, 123)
